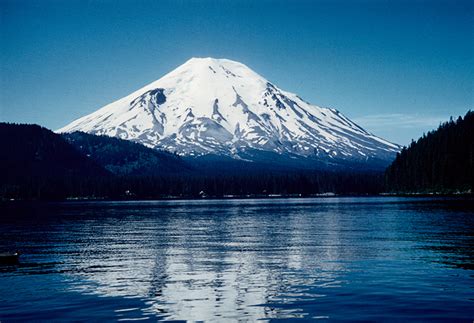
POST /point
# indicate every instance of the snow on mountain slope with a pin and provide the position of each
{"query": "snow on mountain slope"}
(219, 106)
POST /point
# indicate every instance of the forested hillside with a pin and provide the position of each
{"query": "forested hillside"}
(440, 161)
(123, 157)
(37, 163)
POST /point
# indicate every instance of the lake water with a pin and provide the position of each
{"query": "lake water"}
(222, 260)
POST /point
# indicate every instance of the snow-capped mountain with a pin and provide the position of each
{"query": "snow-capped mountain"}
(219, 106)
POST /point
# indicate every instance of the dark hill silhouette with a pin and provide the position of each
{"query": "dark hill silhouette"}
(34, 161)
(440, 161)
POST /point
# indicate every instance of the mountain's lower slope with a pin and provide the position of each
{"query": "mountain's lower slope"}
(221, 107)
(122, 157)
(441, 161)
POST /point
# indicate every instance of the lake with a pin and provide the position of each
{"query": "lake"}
(380, 258)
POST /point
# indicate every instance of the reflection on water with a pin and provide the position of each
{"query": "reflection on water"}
(349, 259)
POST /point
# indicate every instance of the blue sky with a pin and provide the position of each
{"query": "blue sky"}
(397, 68)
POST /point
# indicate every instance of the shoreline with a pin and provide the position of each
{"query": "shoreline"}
(247, 196)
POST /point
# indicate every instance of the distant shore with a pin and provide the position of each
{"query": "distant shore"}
(458, 194)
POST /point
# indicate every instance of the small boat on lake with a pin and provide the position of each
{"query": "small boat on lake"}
(9, 258)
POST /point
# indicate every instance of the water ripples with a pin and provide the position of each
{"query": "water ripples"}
(344, 259)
